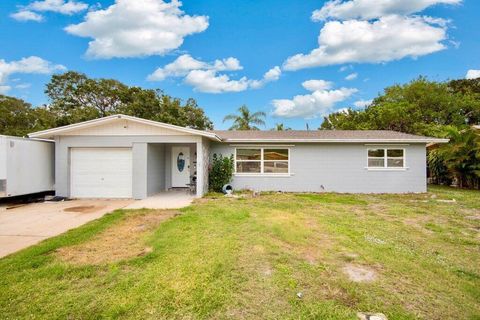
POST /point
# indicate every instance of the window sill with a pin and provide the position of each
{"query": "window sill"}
(271, 175)
(387, 169)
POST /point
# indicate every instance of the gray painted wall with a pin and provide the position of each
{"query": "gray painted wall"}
(204, 151)
(168, 166)
(337, 168)
(139, 170)
(139, 145)
(155, 168)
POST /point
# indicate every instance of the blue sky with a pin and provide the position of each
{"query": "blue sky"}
(381, 42)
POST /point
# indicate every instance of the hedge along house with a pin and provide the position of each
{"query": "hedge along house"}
(126, 157)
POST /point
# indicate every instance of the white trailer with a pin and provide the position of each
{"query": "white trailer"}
(26, 166)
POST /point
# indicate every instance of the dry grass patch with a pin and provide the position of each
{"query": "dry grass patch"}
(123, 241)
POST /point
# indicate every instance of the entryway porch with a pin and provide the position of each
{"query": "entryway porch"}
(171, 167)
(172, 199)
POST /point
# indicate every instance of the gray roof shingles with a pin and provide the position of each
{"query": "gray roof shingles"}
(316, 135)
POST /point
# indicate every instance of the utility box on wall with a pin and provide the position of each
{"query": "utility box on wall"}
(26, 166)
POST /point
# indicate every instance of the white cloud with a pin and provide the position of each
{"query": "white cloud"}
(23, 86)
(27, 15)
(185, 63)
(372, 9)
(351, 76)
(137, 28)
(472, 74)
(273, 74)
(345, 68)
(31, 64)
(362, 103)
(317, 85)
(319, 102)
(30, 12)
(180, 67)
(229, 64)
(59, 6)
(388, 38)
(4, 89)
(269, 76)
(205, 77)
(209, 81)
(437, 21)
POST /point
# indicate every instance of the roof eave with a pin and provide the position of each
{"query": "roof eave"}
(50, 133)
(426, 141)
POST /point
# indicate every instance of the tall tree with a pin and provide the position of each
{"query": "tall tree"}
(74, 97)
(470, 89)
(245, 120)
(195, 117)
(154, 105)
(420, 107)
(17, 117)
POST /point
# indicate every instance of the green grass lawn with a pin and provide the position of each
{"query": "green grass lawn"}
(250, 257)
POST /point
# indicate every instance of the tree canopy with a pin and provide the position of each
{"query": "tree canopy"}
(419, 107)
(74, 97)
(17, 117)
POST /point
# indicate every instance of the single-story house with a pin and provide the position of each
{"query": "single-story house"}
(121, 156)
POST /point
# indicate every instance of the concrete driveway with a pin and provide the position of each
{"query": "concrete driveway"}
(24, 226)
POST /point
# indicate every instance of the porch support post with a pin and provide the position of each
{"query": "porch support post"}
(139, 170)
(200, 168)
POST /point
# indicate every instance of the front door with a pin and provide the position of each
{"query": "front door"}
(180, 167)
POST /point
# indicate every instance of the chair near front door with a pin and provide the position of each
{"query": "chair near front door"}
(180, 167)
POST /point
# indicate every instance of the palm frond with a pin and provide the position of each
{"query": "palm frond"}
(230, 117)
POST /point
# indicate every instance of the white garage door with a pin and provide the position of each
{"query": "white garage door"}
(101, 172)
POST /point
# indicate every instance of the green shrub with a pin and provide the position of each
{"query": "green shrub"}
(220, 173)
(438, 171)
(456, 162)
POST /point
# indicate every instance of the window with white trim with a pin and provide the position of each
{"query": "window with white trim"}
(268, 160)
(386, 158)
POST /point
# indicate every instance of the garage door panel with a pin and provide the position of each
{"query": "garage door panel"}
(101, 172)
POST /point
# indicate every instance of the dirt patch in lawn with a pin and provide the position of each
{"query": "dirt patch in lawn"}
(84, 209)
(358, 273)
(474, 217)
(122, 241)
